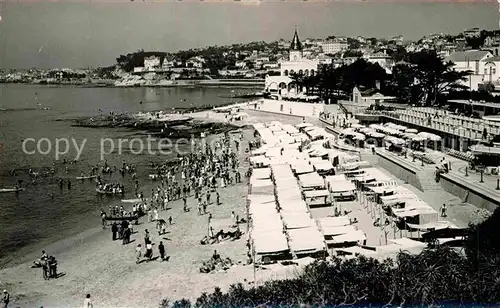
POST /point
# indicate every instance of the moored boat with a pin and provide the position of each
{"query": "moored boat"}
(8, 190)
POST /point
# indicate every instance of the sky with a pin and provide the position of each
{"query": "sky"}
(78, 34)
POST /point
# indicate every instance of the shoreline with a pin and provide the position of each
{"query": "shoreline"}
(225, 83)
(31, 251)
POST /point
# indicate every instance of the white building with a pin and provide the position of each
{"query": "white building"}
(474, 32)
(368, 97)
(382, 59)
(296, 63)
(475, 61)
(334, 46)
(196, 62)
(151, 63)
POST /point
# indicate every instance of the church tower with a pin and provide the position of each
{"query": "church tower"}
(296, 47)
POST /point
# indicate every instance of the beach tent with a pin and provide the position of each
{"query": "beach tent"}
(290, 129)
(261, 198)
(353, 236)
(260, 151)
(329, 231)
(355, 165)
(342, 190)
(262, 208)
(317, 197)
(306, 240)
(293, 206)
(259, 161)
(260, 186)
(436, 225)
(303, 125)
(334, 221)
(400, 245)
(335, 178)
(267, 245)
(297, 220)
(357, 250)
(311, 181)
(323, 166)
(302, 167)
(261, 173)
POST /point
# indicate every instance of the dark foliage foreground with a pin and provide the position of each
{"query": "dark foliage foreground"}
(438, 276)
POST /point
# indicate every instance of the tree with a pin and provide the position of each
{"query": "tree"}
(434, 76)
(402, 84)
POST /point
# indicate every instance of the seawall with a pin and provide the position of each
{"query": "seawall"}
(468, 191)
(399, 168)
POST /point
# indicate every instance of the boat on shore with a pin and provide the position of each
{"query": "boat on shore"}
(9, 190)
(136, 200)
(108, 192)
(86, 177)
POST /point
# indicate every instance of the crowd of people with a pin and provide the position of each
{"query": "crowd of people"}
(110, 188)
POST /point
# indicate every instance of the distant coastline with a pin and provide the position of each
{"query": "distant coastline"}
(111, 83)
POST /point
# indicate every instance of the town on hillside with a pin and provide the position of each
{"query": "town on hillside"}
(474, 51)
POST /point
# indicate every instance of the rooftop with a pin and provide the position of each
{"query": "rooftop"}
(469, 55)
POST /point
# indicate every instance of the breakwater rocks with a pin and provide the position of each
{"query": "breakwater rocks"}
(167, 126)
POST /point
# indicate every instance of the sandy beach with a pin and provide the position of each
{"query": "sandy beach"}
(92, 263)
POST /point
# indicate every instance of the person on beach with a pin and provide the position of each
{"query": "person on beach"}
(443, 210)
(149, 251)
(218, 197)
(170, 220)
(103, 219)
(87, 303)
(146, 237)
(114, 230)
(184, 200)
(126, 236)
(138, 254)
(161, 250)
(5, 299)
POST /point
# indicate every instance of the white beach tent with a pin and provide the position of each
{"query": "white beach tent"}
(338, 221)
(261, 173)
(302, 167)
(297, 220)
(317, 197)
(350, 237)
(261, 186)
(355, 250)
(323, 165)
(260, 161)
(306, 240)
(293, 206)
(342, 188)
(335, 178)
(303, 125)
(269, 243)
(311, 180)
(290, 129)
(338, 230)
(261, 198)
(436, 225)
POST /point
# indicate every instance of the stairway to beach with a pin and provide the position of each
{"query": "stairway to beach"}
(426, 176)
